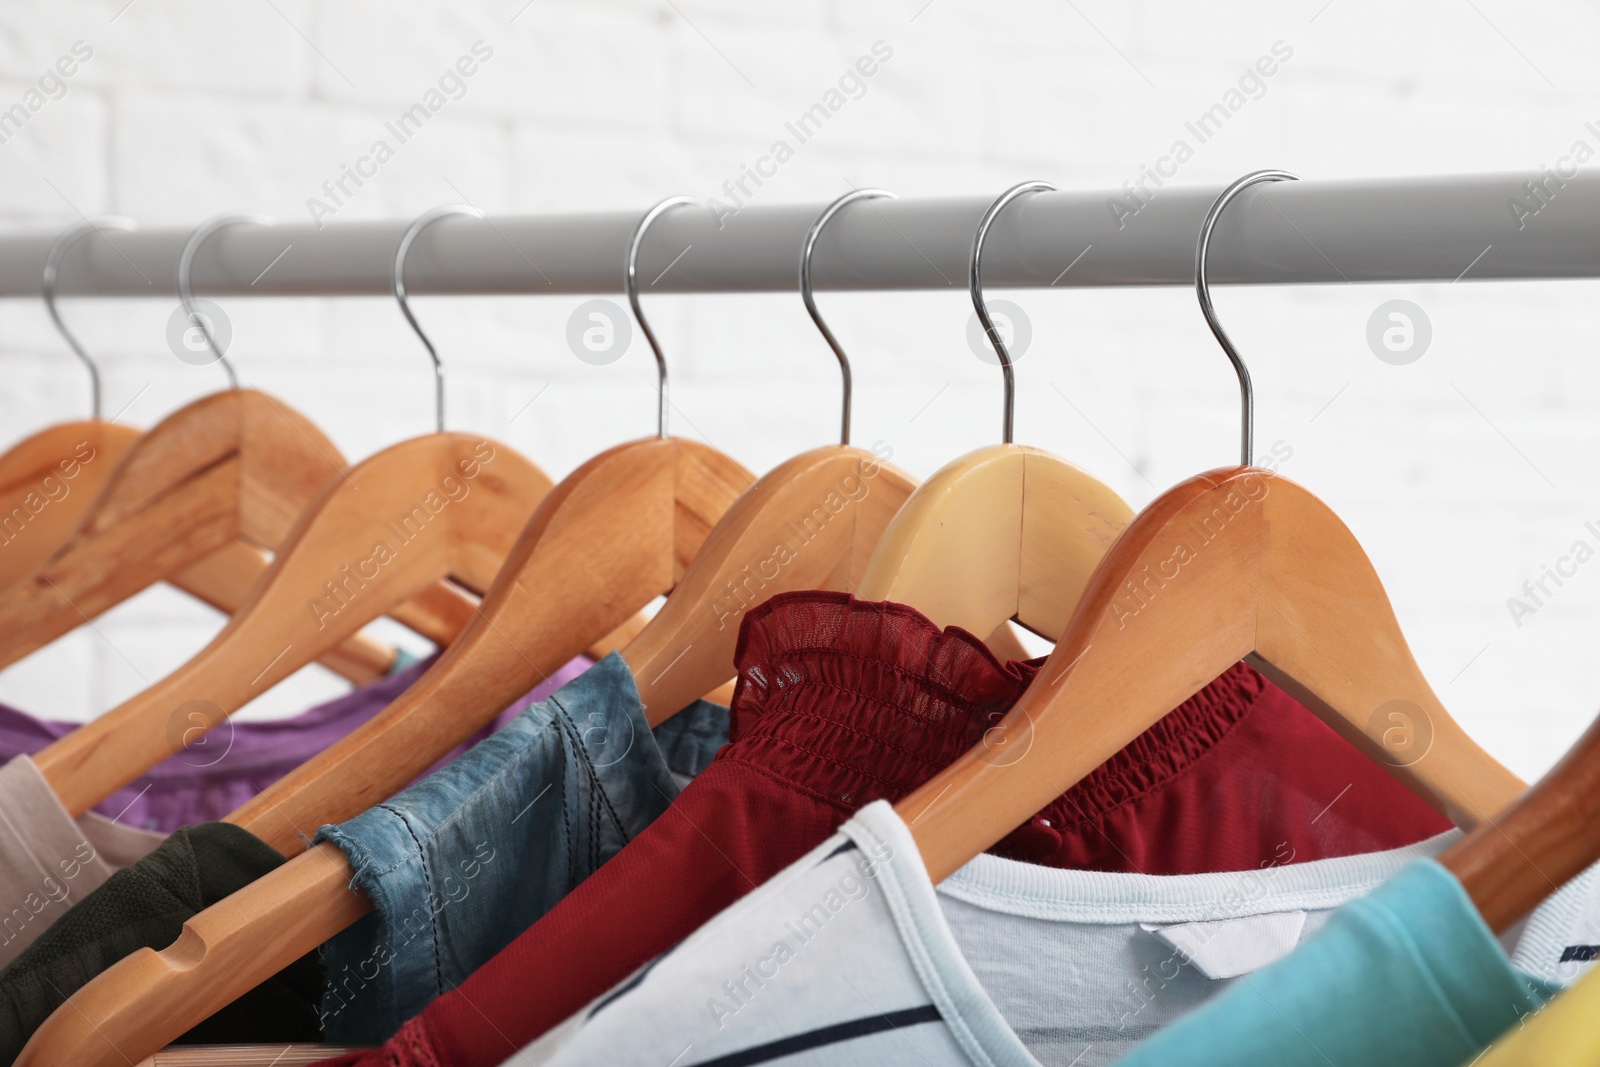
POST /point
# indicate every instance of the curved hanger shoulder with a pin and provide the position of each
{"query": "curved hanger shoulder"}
(265, 448)
(381, 532)
(47, 483)
(225, 578)
(612, 536)
(1227, 564)
(809, 523)
(230, 467)
(1003, 532)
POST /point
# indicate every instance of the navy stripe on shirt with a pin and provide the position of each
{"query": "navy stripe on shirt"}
(841, 850)
(827, 1035)
(626, 987)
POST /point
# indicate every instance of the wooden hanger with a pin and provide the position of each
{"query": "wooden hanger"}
(612, 536)
(1544, 840)
(441, 506)
(49, 482)
(1233, 563)
(809, 523)
(1004, 532)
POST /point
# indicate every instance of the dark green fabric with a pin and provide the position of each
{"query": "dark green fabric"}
(145, 906)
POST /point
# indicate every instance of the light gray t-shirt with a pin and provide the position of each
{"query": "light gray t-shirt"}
(49, 860)
(851, 957)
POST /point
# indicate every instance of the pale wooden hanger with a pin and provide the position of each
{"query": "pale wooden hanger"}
(1004, 532)
(76, 460)
(809, 523)
(615, 534)
(441, 506)
(1233, 563)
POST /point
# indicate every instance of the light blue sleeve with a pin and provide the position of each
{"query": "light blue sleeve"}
(1408, 976)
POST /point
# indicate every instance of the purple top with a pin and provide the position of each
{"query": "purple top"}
(226, 767)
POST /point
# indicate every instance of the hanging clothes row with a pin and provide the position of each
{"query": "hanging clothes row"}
(834, 817)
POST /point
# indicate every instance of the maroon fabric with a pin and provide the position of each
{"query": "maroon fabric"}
(840, 703)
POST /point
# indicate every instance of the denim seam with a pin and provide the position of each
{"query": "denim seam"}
(563, 719)
(433, 913)
(597, 792)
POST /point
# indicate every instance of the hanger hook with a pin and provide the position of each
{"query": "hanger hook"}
(1202, 288)
(186, 266)
(398, 284)
(975, 284)
(47, 287)
(811, 304)
(630, 283)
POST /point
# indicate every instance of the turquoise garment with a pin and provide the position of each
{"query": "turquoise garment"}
(1408, 976)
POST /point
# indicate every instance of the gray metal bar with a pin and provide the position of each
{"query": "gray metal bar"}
(1306, 232)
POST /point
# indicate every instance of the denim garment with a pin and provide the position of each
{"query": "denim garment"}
(465, 860)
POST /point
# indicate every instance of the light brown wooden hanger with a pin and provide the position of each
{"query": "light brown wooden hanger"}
(612, 536)
(47, 482)
(383, 531)
(54, 477)
(1544, 840)
(809, 523)
(50, 481)
(1231, 564)
(196, 498)
(1004, 532)
(435, 507)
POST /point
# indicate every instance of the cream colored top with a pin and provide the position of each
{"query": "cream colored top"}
(48, 860)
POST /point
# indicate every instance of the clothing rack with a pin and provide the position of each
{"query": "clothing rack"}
(1431, 229)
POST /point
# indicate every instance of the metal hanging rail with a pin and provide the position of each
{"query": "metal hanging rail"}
(1308, 232)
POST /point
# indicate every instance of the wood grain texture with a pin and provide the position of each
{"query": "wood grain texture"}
(224, 580)
(236, 466)
(47, 483)
(1003, 532)
(604, 543)
(611, 537)
(380, 533)
(1229, 564)
(809, 523)
(1548, 837)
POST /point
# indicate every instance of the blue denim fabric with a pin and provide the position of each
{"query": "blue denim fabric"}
(465, 860)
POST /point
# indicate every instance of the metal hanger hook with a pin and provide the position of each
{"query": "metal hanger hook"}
(811, 305)
(1202, 288)
(47, 288)
(630, 283)
(398, 285)
(975, 285)
(186, 267)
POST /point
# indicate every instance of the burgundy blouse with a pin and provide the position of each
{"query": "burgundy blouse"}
(872, 699)
(841, 702)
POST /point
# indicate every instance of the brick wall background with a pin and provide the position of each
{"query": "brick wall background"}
(1463, 474)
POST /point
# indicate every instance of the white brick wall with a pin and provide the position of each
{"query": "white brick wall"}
(189, 108)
